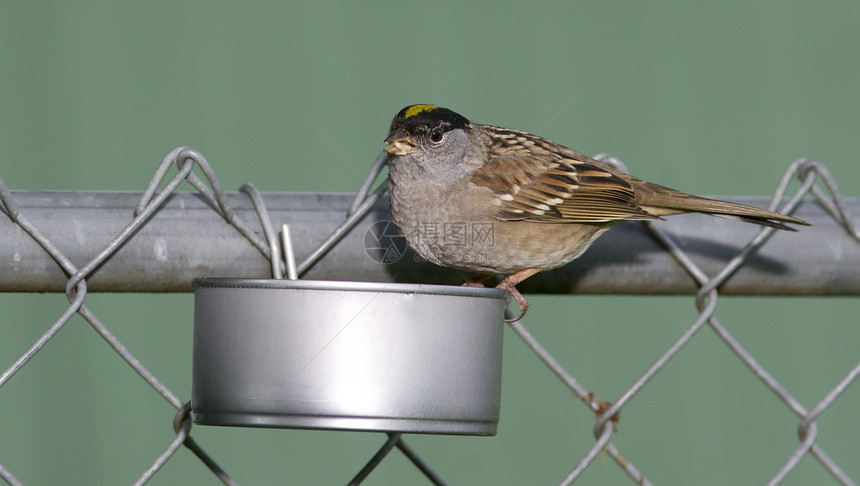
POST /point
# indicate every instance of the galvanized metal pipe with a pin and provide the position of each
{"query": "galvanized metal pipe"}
(187, 238)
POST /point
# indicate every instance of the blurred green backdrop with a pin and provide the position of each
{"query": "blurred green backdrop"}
(713, 98)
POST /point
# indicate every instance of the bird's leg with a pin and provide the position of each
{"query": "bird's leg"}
(510, 284)
(477, 280)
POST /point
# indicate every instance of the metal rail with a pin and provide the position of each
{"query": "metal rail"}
(185, 239)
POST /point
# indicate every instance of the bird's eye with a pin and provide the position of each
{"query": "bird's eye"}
(436, 135)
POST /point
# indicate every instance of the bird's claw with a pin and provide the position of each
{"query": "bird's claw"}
(512, 289)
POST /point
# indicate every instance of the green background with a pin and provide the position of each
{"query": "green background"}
(712, 98)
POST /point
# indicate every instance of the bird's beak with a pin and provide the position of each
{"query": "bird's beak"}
(399, 143)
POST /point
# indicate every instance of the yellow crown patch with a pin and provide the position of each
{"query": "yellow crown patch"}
(416, 109)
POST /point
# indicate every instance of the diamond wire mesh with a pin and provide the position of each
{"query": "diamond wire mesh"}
(809, 172)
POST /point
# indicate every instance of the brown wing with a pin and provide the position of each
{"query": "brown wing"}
(537, 180)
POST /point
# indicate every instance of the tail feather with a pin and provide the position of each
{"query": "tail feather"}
(662, 201)
(764, 222)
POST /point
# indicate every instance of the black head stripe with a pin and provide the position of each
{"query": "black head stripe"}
(428, 116)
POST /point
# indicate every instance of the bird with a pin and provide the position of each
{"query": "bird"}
(497, 201)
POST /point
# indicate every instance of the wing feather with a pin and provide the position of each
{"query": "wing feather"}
(535, 180)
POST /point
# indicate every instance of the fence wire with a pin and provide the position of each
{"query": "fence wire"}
(809, 172)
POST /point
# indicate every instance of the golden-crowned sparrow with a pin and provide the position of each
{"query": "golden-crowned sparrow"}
(492, 200)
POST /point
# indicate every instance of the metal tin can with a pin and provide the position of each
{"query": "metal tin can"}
(347, 355)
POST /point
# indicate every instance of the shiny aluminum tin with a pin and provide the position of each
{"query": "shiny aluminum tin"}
(347, 355)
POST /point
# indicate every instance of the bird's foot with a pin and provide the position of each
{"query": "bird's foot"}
(477, 280)
(524, 304)
(510, 284)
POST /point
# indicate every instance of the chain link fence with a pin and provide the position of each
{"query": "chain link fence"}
(814, 180)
